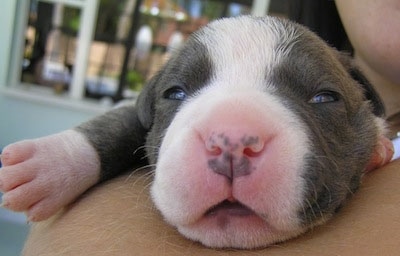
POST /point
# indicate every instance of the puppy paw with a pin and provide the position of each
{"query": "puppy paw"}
(41, 176)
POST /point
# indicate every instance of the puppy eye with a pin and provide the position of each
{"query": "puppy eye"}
(324, 97)
(175, 93)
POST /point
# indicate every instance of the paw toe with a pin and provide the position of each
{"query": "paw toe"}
(15, 176)
(21, 198)
(42, 210)
(17, 152)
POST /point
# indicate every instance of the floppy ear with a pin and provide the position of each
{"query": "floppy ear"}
(119, 135)
(384, 150)
(370, 93)
(146, 101)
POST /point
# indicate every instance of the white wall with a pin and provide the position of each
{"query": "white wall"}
(22, 119)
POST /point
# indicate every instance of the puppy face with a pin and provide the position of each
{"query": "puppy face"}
(258, 133)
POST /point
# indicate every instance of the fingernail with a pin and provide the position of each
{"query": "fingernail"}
(28, 220)
(382, 154)
(391, 148)
(3, 202)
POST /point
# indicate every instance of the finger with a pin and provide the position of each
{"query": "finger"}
(382, 154)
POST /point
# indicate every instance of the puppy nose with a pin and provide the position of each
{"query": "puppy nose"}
(233, 156)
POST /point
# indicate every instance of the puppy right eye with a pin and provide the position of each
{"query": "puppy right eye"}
(324, 97)
(175, 93)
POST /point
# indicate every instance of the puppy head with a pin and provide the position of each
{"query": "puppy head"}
(258, 132)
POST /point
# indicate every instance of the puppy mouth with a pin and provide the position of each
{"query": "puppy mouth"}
(230, 208)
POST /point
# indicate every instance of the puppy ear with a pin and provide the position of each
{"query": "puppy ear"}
(370, 93)
(145, 103)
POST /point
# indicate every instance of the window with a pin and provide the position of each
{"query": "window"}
(105, 48)
(51, 44)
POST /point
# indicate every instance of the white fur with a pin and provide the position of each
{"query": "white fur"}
(56, 169)
(241, 52)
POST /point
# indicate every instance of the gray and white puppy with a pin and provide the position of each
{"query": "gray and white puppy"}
(256, 129)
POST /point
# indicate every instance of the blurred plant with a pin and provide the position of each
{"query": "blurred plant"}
(135, 80)
(71, 18)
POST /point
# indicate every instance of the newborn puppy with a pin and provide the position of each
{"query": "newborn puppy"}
(256, 131)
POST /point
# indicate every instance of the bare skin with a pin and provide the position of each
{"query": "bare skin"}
(372, 27)
(382, 155)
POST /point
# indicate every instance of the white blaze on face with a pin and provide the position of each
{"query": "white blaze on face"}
(241, 55)
(237, 102)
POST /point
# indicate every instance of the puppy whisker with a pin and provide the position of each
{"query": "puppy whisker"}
(148, 167)
(145, 147)
(153, 152)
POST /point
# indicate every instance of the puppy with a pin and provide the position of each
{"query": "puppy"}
(255, 129)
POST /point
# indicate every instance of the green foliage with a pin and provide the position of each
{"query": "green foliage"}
(135, 80)
(71, 18)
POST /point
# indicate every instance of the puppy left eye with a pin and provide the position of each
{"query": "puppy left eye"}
(324, 97)
(175, 93)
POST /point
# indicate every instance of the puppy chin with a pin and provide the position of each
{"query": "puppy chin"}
(237, 232)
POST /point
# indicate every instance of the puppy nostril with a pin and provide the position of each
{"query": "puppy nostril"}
(213, 148)
(254, 149)
(249, 152)
(252, 145)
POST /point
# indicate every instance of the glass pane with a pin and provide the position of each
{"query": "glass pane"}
(50, 45)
